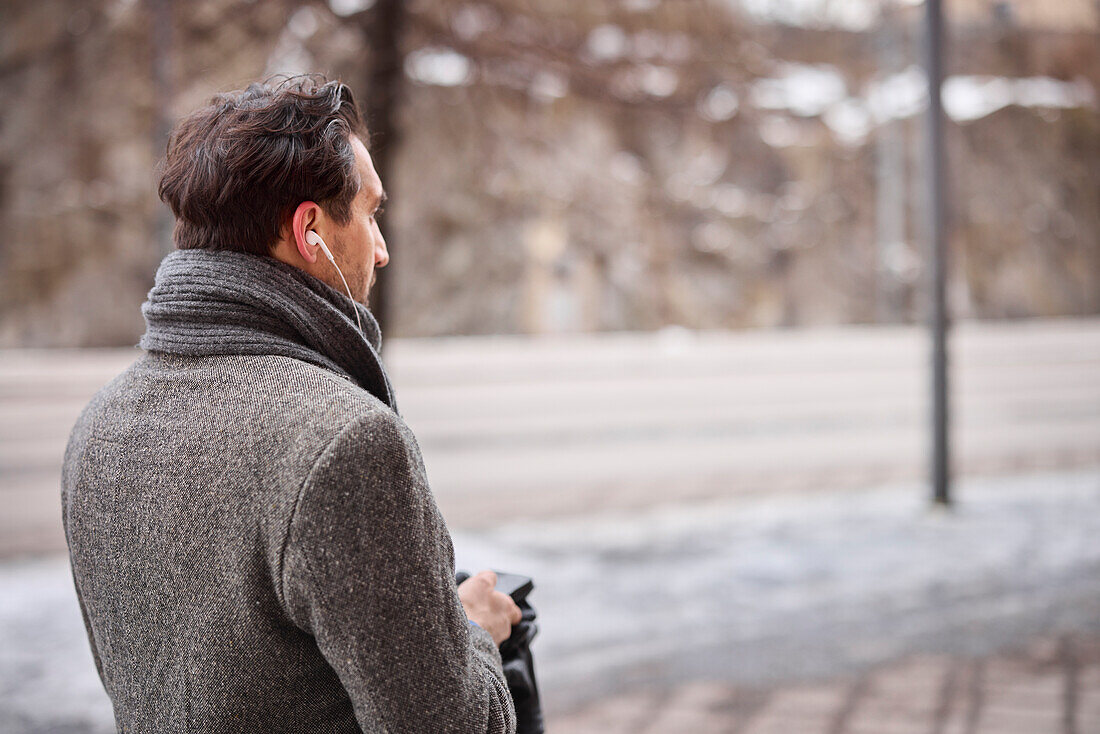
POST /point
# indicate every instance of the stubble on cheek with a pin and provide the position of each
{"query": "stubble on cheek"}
(363, 283)
(355, 272)
(357, 276)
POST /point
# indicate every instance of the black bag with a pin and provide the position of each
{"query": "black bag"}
(515, 653)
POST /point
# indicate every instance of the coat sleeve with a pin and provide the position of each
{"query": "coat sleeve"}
(368, 570)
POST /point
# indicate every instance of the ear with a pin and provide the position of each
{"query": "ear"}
(304, 219)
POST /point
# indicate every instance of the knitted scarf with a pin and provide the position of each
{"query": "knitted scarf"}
(207, 302)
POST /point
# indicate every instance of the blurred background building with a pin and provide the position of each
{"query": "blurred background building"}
(599, 210)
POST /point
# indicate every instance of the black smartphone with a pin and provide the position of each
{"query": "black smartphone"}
(514, 585)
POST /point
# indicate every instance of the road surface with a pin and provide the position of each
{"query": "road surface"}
(514, 428)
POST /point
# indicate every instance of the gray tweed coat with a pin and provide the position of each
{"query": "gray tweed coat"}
(256, 549)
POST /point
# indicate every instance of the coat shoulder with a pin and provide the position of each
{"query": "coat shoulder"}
(266, 393)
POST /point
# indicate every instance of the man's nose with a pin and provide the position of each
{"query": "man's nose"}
(381, 254)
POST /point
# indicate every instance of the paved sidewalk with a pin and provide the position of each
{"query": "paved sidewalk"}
(1051, 686)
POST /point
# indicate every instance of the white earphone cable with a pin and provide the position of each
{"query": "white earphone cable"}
(355, 305)
(315, 239)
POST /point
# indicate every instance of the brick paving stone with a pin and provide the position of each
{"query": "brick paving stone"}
(887, 726)
(779, 725)
(817, 700)
(1088, 699)
(804, 709)
(959, 706)
(1024, 692)
(1028, 693)
(1034, 683)
(1020, 722)
(1041, 713)
(900, 699)
(958, 725)
(701, 707)
(1023, 700)
(923, 672)
(625, 713)
(871, 714)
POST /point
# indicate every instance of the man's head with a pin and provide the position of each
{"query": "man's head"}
(257, 169)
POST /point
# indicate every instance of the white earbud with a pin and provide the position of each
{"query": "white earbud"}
(313, 238)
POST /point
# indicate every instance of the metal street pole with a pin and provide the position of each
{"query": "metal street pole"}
(384, 29)
(937, 251)
(161, 41)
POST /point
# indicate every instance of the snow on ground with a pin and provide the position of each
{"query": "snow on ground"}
(751, 591)
(805, 586)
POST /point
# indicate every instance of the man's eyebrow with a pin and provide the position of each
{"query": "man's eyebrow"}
(378, 200)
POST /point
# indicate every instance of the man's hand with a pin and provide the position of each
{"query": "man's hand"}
(494, 610)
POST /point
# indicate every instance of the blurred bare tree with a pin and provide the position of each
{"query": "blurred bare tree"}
(569, 166)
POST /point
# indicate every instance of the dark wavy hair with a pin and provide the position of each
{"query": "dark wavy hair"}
(236, 169)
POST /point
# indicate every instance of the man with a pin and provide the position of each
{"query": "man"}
(253, 540)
